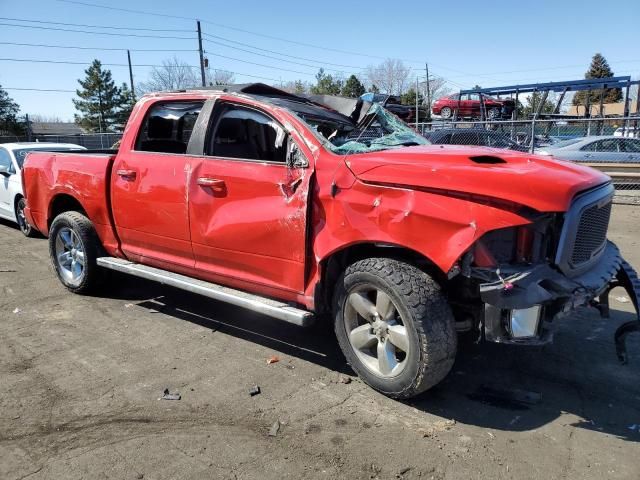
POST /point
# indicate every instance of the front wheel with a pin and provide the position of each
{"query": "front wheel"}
(394, 326)
(26, 229)
(446, 112)
(74, 247)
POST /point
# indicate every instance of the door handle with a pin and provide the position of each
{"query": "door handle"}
(126, 174)
(217, 185)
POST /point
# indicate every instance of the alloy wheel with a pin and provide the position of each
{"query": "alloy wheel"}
(70, 255)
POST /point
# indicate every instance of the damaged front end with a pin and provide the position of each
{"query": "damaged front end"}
(528, 276)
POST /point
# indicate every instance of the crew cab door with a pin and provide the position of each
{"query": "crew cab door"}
(149, 187)
(248, 201)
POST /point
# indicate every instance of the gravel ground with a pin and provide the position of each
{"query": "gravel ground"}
(81, 380)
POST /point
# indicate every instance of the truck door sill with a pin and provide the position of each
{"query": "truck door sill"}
(256, 303)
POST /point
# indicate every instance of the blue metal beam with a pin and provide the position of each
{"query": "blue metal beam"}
(573, 85)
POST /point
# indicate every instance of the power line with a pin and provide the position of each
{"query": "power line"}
(95, 26)
(39, 89)
(67, 62)
(96, 48)
(269, 51)
(96, 33)
(143, 12)
(260, 64)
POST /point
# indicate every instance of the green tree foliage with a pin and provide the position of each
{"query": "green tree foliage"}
(352, 87)
(326, 84)
(409, 97)
(100, 100)
(9, 110)
(599, 68)
(127, 102)
(533, 101)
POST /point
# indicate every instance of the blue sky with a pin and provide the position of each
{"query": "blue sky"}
(490, 43)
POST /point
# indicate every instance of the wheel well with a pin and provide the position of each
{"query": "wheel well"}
(335, 264)
(16, 200)
(63, 203)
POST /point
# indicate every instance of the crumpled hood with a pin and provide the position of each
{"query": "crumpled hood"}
(537, 182)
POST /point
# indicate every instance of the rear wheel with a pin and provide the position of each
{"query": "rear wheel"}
(446, 112)
(25, 228)
(493, 113)
(394, 326)
(74, 247)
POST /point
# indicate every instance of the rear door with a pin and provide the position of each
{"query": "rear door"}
(606, 150)
(247, 205)
(149, 187)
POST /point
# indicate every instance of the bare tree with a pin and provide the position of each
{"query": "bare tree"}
(391, 76)
(438, 88)
(219, 77)
(174, 74)
(296, 86)
(36, 117)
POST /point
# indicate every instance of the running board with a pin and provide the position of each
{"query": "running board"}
(266, 306)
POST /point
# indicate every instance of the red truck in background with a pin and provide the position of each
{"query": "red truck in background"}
(301, 209)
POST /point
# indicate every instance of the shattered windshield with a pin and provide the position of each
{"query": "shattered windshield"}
(378, 130)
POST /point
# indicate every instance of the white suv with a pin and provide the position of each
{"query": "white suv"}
(12, 157)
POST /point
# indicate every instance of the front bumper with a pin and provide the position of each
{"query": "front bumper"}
(512, 301)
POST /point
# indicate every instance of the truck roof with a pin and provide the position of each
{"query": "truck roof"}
(330, 107)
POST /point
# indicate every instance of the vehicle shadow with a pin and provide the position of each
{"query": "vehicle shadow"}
(501, 387)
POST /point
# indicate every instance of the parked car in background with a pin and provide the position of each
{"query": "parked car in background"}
(595, 149)
(626, 132)
(469, 106)
(393, 104)
(473, 136)
(12, 157)
(272, 202)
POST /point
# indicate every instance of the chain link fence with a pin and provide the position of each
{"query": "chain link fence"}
(91, 141)
(611, 145)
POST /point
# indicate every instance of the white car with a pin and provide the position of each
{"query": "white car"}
(12, 157)
(596, 149)
(626, 132)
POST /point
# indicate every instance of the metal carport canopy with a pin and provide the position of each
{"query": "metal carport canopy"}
(573, 85)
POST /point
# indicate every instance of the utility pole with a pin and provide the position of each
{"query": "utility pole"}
(29, 131)
(133, 92)
(204, 82)
(417, 95)
(426, 66)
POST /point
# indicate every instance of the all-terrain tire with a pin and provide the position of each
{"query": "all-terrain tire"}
(425, 313)
(92, 275)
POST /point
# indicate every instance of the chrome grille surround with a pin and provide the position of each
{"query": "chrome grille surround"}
(584, 233)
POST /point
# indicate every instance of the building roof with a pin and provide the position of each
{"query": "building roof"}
(56, 128)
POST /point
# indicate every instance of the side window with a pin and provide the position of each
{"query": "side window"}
(609, 145)
(168, 126)
(247, 134)
(630, 146)
(465, 138)
(5, 160)
(474, 97)
(591, 147)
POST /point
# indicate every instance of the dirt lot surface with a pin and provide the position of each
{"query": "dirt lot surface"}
(81, 378)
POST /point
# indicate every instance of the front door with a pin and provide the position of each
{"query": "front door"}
(149, 187)
(248, 204)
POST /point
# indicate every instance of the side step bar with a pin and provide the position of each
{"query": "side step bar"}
(266, 306)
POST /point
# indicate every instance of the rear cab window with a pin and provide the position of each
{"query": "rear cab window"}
(168, 126)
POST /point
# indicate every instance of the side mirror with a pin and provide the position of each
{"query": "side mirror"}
(4, 171)
(295, 158)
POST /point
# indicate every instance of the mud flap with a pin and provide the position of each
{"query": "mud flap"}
(628, 279)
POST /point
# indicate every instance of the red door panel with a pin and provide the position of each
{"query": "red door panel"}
(248, 221)
(150, 208)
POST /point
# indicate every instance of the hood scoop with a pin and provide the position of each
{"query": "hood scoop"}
(487, 159)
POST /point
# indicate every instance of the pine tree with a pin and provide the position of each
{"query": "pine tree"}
(599, 68)
(99, 100)
(9, 110)
(326, 84)
(126, 104)
(352, 87)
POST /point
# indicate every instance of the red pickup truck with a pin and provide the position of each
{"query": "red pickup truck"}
(333, 208)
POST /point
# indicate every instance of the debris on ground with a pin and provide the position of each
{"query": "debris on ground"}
(128, 305)
(344, 379)
(273, 359)
(621, 299)
(7, 270)
(273, 431)
(255, 390)
(634, 427)
(402, 472)
(17, 310)
(166, 395)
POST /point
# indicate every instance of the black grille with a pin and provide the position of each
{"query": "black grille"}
(592, 233)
